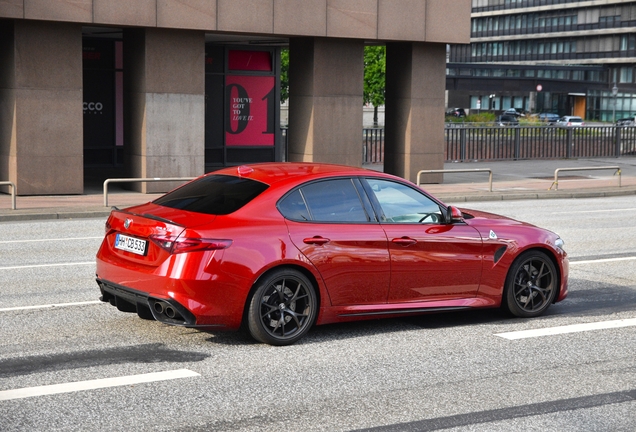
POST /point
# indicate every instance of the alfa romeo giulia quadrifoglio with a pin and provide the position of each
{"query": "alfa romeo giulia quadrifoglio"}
(277, 248)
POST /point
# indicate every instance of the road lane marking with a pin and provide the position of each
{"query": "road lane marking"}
(47, 265)
(95, 384)
(574, 328)
(596, 211)
(603, 260)
(49, 240)
(18, 308)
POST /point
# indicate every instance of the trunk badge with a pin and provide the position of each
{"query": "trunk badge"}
(127, 223)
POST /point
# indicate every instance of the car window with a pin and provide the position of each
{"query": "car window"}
(294, 207)
(403, 204)
(334, 200)
(215, 194)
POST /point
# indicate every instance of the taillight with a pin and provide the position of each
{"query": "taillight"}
(107, 227)
(176, 244)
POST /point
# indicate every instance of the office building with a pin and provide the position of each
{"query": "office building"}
(563, 56)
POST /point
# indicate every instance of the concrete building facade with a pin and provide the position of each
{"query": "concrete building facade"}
(160, 72)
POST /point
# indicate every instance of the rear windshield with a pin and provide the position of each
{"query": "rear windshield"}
(215, 195)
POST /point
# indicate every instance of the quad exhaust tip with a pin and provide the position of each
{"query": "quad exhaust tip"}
(165, 312)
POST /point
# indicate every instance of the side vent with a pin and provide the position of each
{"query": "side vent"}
(499, 253)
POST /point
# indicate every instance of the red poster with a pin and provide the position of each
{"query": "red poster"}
(250, 110)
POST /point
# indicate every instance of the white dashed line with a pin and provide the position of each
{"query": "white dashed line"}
(574, 328)
(603, 260)
(49, 240)
(95, 384)
(19, 308)
(47, 265)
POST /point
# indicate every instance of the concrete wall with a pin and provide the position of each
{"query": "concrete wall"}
(41, 142)
(325, 114)
(41, 136)
(444, 21)
(414, 116)
(164, 93)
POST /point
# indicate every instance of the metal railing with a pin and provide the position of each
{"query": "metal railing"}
(471, 143)
(139, 180)
(372, 145)
(558, 170)
(488, 170)
(13, 192)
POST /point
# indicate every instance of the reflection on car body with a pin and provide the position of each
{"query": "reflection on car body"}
(279, 247)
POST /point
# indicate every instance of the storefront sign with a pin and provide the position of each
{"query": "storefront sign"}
(250, 110)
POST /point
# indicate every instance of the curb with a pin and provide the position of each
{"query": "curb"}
(535, 195)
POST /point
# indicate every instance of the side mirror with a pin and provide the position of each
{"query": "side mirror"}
(454, 215)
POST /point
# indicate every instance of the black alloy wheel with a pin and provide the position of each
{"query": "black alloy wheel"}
(531, 285)
(283, 308)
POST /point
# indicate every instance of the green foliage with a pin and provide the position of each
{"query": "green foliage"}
(284, 74)
(374, 75)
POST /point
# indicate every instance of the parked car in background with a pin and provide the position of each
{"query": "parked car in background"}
(549, 118)
(513, 111)
(456, 112)
(627, 121)
(570, 121)
(507, 120)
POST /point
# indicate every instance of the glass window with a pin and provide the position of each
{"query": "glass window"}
(215, 194)
(403, 204)
(294, 207)
(328, 201)
(627, 75)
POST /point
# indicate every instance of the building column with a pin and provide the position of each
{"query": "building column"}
(414, 117)
(41, 145)
(164, 105)
(325, 89)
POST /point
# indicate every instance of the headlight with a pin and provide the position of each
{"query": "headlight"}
(559, 243)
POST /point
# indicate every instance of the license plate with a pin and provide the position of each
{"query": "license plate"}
(131, 244)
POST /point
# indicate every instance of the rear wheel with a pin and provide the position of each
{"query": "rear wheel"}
(283, 308)
(531, 284)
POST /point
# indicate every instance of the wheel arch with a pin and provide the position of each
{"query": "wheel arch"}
(306, 272)
(552, 255)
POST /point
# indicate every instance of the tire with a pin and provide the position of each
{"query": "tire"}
(531, 285)
(283, 308)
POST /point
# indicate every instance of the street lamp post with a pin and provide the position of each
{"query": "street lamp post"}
(614, 93)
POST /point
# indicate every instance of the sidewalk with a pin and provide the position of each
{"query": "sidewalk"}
(512, 180)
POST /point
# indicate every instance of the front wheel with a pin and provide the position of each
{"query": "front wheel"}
(283, 308)
(531, 285)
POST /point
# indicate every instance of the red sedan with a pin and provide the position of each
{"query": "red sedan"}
(278, 247)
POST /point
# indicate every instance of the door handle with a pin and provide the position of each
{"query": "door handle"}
(404, 241)
(317, 240)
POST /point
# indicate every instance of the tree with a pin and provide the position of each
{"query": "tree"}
(284, 74)
(374, 78)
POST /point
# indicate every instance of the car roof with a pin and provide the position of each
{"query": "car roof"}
(273, 173)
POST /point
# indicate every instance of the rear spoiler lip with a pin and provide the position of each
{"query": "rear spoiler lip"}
(151, 216)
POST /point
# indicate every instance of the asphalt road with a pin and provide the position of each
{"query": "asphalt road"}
(107, 370)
